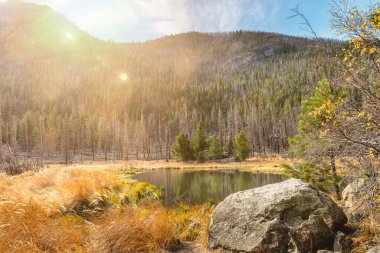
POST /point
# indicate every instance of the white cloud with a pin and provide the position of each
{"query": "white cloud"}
(206, 15)
(143, 19)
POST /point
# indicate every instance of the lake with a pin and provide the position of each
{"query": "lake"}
(201, 186)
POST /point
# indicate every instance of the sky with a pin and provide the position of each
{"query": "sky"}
(140, 20)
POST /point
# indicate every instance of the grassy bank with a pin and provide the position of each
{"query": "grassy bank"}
(74, 210)
(263, 165)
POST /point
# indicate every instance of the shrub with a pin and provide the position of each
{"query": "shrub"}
(12, 166)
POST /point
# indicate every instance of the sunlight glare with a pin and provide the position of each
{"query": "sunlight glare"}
(69, 36)
(124, 77)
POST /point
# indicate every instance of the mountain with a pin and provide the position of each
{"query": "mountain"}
(65, 93)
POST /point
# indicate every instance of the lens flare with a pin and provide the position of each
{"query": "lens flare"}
(69, 36)
(124, 77)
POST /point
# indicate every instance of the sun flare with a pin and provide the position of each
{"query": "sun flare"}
(69, 36)
(124, 77)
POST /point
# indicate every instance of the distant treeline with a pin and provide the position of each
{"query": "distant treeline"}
(66, 98)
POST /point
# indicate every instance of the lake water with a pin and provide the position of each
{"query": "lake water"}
(197, 187)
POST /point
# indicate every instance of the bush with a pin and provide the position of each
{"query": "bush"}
(12, 166)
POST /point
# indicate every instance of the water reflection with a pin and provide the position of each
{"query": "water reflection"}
(198, 187)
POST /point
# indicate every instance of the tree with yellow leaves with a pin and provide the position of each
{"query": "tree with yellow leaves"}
(347, 126)
(357, 125)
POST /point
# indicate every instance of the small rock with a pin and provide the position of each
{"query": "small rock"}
(352, 192)
(342, 243)
(375, 249)
(326, 251)
(191, 248)
(352, 197)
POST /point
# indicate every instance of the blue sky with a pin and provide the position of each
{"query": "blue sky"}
(139, 20)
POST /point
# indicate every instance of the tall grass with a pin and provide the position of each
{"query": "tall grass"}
(78, 211)
(130, 230)
(29, 228)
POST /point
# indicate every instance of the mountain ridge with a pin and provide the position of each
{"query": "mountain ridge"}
(53, 72)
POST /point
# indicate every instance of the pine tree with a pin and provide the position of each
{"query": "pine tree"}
(182, 147)
(230, 147)
(310, 144)
(242, 146)
(199, 143)
(215, 150)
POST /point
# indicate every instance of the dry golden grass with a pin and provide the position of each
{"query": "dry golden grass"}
(270, 164)
(129, 230)
(78, 188)
(89, 211)
(29, 228)
(151, 228)
(192, 222)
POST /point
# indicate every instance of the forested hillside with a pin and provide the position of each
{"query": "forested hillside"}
(67, 95)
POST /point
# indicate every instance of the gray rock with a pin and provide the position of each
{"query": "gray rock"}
(342, 243)
(305, 238)
(352, 197)
(375, 249)
(290, 215)
(191, 248)
(352, 193)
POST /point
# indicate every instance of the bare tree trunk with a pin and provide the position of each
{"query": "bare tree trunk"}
(93, 150)
(27, 136)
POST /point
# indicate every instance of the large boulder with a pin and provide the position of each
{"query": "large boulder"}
(290, 215)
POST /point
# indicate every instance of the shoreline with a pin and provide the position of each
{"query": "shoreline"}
(255, 165)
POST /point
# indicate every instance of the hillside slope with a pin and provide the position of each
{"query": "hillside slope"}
(64, 92)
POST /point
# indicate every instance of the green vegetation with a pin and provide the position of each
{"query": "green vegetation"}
(230, 150)
(182, 148)
(215, 150)
(199, 143)
(242, 147)
(311, 145)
